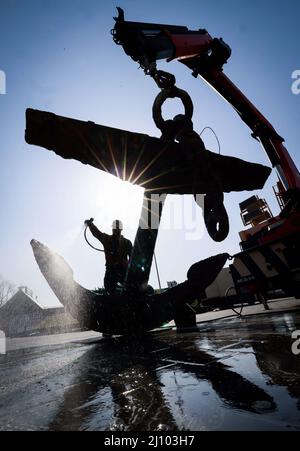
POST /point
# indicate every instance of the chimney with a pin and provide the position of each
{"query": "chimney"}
(26, 290)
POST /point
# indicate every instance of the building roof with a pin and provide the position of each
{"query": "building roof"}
(25, 297)
(23, 315)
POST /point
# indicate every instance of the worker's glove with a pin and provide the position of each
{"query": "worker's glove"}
(88, 222)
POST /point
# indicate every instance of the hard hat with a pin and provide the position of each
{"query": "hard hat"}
(117, 225)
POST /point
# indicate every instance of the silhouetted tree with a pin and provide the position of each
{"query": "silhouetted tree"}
(7, 289)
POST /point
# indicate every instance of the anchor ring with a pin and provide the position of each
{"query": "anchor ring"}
(172, 93)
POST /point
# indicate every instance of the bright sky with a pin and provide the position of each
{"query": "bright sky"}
(59, 56)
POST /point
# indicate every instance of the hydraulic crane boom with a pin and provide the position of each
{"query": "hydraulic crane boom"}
(269, 257)
(147, 43)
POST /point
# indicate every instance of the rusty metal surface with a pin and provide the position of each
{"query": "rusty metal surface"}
(231, 374)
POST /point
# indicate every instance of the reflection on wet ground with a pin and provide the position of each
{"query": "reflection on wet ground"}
(235, 374)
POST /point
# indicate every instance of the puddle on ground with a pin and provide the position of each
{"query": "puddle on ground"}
(234, 374)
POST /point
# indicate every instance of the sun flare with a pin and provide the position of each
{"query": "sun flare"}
(121, 200)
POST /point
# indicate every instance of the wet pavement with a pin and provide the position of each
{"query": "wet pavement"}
(230, 374)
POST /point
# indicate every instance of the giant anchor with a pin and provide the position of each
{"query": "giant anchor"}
(175, 163)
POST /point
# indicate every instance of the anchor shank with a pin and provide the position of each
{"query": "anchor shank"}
(145, 240)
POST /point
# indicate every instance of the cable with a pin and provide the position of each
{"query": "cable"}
(157, 272)
(232, 308)
(93, 247)
(212, 130)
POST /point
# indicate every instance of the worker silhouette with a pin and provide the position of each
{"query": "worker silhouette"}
(117, 251)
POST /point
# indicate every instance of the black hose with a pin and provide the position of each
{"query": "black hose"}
(93, 247)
